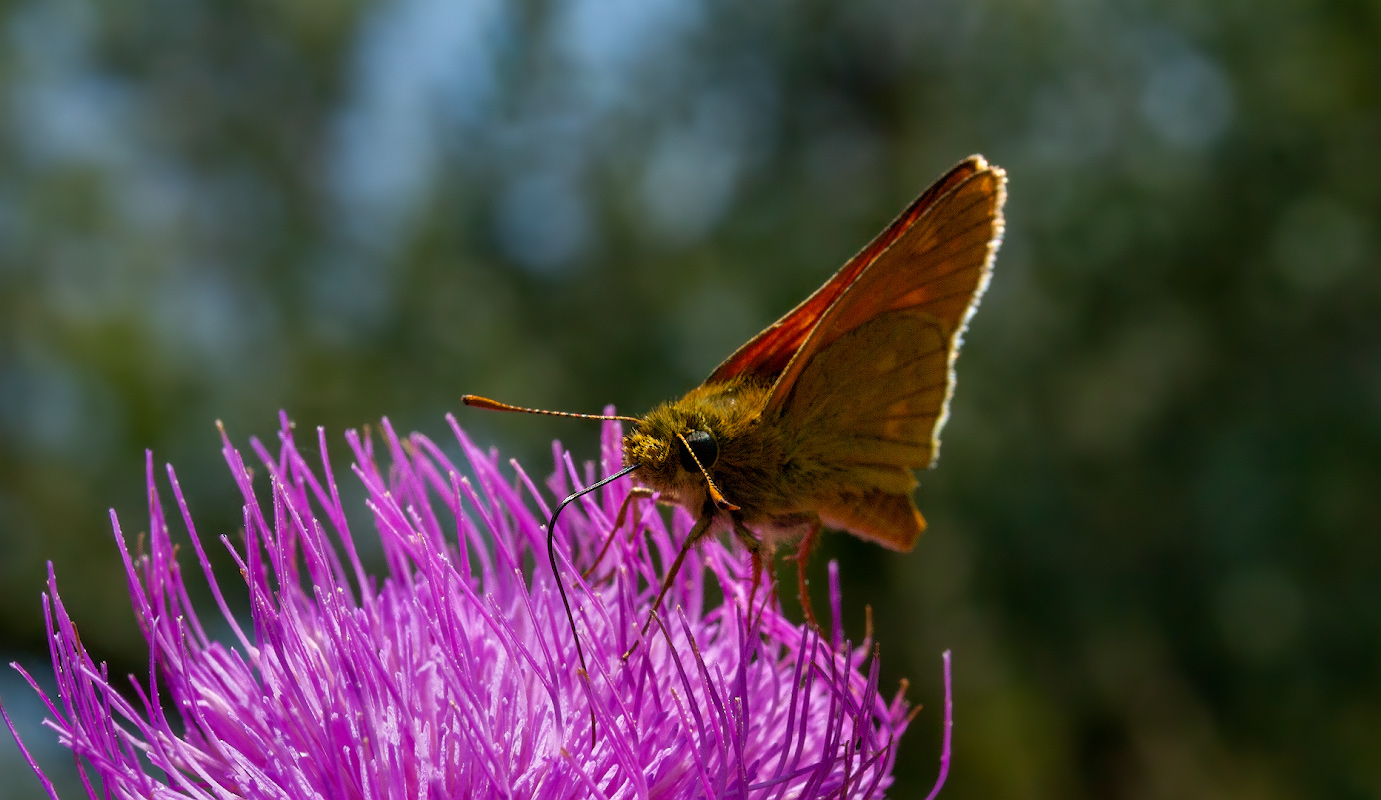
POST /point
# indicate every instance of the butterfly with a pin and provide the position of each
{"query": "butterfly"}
(819, 420)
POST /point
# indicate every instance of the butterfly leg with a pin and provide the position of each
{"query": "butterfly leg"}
(696, 534)
(802, 558)
(637, 492)
(764, 560)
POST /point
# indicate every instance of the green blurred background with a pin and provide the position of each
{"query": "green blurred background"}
(1154, 532)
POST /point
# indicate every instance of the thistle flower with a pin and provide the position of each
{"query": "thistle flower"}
(455, 675)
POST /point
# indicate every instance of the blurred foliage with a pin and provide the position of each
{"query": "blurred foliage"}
(1154, 533)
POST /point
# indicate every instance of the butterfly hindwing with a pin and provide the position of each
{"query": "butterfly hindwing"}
(873, 397)
(890, 520)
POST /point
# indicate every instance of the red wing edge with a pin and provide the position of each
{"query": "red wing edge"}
(766, 355)
(939, 264)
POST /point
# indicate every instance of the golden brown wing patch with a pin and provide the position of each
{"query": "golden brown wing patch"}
(890, 520)
(874, 400)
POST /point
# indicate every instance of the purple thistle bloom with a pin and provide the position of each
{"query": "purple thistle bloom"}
(455, 676)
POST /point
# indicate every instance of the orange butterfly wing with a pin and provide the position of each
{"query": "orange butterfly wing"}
(865, 366)
(937, 267)
(872, 382)
(766, 355)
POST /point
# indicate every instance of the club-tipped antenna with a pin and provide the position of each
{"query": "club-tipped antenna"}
(476, 401)
(560, 585)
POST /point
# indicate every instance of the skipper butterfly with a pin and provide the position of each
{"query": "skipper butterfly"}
(819, 420)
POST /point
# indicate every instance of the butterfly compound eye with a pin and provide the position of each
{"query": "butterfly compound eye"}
(703, 445)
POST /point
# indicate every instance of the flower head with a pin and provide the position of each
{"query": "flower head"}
(454, 676)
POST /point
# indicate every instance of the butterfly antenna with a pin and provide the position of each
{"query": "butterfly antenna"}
(494, 405)
(551, 556)
(719, 501)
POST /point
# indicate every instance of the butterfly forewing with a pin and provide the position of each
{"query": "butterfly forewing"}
(939, 267)
(768, 353)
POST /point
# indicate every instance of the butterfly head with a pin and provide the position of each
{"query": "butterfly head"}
(676, 451)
